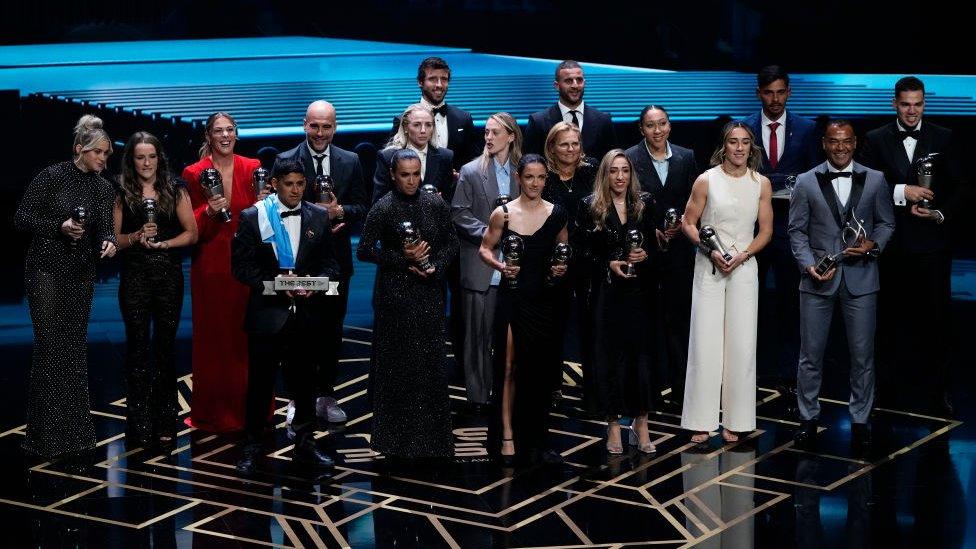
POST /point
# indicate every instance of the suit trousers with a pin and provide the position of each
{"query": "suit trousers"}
(672, 283)
(328, 363)
(816, 312)
(290, 348)
(779, 341)
(722, 349)
(479, 316)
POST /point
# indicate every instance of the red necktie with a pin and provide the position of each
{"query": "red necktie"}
(773, 145)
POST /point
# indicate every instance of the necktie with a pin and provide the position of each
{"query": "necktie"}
(318, 163)
(834, 175)
(773, 145)
(442, 110)
(290, 213)
(573, 113)
(910, 132)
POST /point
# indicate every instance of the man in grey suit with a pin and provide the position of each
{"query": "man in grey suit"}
(824, 200)
(480, 184)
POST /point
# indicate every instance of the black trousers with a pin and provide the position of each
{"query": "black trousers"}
(779, 336)
(574, 296)
(292, 348)
(328, 363)
(673, 278)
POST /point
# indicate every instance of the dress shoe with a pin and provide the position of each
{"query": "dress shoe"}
(547, 457)
(289, 416)
(806, 435)
(477, 408)
(327, 408)
(308, 453)
(860, 435)
(248, 461)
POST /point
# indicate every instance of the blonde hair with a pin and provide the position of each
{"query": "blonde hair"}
(602, 195)
(88, 132)
(554, 132)
(755, 153)
(508, 122)
(205, 149)
(400, 139)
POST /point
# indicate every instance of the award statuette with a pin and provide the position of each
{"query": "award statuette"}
(851, 236)
(427, 188)
(324, 188)
(261, 179)
(411, 237)
(633, 240)
(79, 214)
(560, 255)
(512, 248)
(149, 210)
(502, 200)
(925, 170)
(709, 237)
(671, 221)
(213, 187)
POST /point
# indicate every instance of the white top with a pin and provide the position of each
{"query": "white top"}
(842, 185)
(732, 207)
(780, 134)
(440, 125)
(909, 143)
(568, 117)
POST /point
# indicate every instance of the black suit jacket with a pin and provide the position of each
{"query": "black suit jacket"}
(253, 262)
(350, 190)
(463, 141)
(673, 193)
(598, 136)
(439, 172)
(884, 150)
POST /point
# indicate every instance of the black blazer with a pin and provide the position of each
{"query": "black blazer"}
(350, 190)
(253, 262)
(463, 141)
(598, 136)
(439, 172)
(884, 150)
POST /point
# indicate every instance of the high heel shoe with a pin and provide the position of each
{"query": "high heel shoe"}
(615, 449)
(507, 460)
(635, 441)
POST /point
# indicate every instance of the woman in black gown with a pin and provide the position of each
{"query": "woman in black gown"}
(60, 280)
(620, 304)
(151, 285)
(408, 375)
(527, 338)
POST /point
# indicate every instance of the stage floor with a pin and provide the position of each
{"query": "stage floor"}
(915, 487)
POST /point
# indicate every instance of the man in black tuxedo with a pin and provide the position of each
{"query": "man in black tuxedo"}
(914, 309)
(790, 147)
(595, 125)
(283, 234)
(349, 205)
(455, 127)
(668, 172)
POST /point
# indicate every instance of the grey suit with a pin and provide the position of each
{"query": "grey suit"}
(815, 229)
(473, 202)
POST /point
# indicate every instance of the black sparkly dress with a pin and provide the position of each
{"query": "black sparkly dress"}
(530, 311)
(151, 295)
(621, 315)
(408, 374)
(60, 279)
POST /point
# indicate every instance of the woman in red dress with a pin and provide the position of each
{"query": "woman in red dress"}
(219, 300)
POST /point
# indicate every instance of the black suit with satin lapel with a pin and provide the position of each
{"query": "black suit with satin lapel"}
(439, 172)
(462, 139)
(598, 136)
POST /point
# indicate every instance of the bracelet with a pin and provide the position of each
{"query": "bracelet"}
(165, 244)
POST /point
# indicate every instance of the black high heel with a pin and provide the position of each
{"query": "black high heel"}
(507, 460)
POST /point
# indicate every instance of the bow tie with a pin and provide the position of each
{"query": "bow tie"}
(442, 110)
(913, 133)
(297, 211)
(836, 175)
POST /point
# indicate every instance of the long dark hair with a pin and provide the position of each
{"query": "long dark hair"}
(166, 193)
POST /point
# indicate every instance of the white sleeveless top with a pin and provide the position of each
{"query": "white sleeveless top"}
(732, 207)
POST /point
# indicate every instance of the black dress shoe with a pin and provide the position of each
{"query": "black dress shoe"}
(806, 435)
(860, 435)
(547, 457)
(308, 453)
(477, 408)
(248, 461)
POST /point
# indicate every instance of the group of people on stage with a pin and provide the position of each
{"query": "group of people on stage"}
(661, 264)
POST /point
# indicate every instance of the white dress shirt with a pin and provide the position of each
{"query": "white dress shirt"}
(909, 143)
(422, 153)
(567, 117)
(326, 169)
(440, 126)
(842, 185)
(292, 224)
(780, 134)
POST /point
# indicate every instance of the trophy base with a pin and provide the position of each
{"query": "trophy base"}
(825, 264)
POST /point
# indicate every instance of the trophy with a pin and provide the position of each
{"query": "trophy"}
(79, 214)
(260, 177)
(213, 187)
(324, 188)
(671, 221)
(560, 255)
(789, 183)
(502, 200)
(512, 247)
(427, 188)
(925, 168)
(411, 237)
(851, 236)
(150, 211)
(710, 238)
(634, 239)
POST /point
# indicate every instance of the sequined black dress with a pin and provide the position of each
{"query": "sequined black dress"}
(60, 278)
(408, 375)
(151, 294)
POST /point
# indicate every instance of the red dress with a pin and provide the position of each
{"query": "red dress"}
(219, 303)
